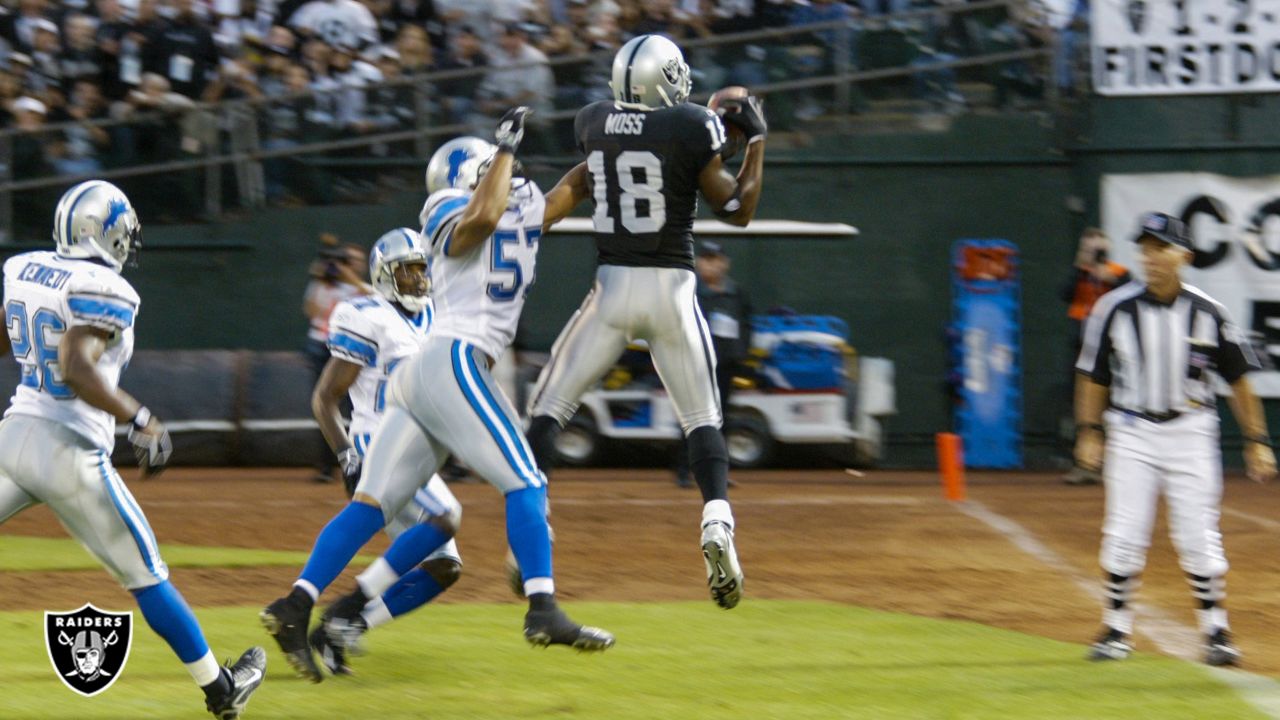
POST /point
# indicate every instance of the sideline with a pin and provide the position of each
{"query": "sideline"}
(1170, 636)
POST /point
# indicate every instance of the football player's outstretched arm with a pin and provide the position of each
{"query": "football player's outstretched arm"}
(565, 196)
(335, 380)
(491, 196)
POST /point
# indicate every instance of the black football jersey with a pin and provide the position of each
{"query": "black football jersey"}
(643, 169)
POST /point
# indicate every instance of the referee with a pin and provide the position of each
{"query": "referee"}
(1145, 393)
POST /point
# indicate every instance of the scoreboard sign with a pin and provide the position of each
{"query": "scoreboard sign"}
(1186, 47)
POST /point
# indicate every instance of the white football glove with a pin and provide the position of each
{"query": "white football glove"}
(151, 444)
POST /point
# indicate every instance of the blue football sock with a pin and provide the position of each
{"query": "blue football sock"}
(527, 531)
(168, 614)
(415, 589)
(340, 540)
(413, 546)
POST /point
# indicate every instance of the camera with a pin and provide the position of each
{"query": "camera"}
(331, 256)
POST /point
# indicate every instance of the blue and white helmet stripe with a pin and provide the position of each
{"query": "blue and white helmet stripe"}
(402, 245)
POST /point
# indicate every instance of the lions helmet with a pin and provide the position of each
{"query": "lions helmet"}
(459, 163)
(649, 73)
(95, 221)
(398, 247)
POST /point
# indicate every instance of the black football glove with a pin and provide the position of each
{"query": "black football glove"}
(151, 444)
(511, 129)
(746, 114)
(351, 463)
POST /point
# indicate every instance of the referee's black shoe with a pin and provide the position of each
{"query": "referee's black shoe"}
(1111, 645)
(1220, 651)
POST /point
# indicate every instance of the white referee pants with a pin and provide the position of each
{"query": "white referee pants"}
(42, 461)
(658, 305)
(1180, 459)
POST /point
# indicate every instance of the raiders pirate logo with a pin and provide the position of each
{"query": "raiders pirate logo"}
(88, 647)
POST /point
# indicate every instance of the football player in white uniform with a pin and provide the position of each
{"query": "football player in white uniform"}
(69, 318)
(368, 337)
(483, 238)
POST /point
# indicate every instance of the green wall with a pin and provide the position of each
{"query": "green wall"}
(239, 284)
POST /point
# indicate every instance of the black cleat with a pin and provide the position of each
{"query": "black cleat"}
(246, 676)
(287, 620)
(553, 627)
(1220, 651)
(1111, 645)
(341, 628)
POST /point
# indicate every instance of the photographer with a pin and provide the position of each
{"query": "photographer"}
(337, 274)
(1092, 276)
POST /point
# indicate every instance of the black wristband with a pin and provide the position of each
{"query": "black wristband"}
(1091, 426)
(1259, 439)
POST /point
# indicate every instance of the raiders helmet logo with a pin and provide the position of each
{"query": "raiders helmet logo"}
(671, 71)
(88, 647)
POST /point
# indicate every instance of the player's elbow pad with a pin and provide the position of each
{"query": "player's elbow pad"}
(731, 206)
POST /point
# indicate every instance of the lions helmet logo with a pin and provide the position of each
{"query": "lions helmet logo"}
(88, 647)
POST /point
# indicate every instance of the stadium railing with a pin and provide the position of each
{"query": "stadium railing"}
(833, 67)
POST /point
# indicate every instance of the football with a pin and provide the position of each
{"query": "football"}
(735, 140)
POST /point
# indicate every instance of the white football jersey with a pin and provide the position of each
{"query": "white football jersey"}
(44, 296)
(369, 331)
(479, 297)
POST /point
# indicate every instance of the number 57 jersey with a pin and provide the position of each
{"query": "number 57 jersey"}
(45, 295)
(478, 296)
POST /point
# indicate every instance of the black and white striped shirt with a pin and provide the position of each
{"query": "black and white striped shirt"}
(1158, 358)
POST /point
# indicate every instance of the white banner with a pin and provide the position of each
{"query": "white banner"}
(1181, 47)
(1235, 224)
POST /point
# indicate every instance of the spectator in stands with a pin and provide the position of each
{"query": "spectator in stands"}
(184, 52)
(251, 25)
(10, 91)
(390, 107)
(46, 72)
(80, 58)
(458, 94)
(413, 46)
(1092, 275)
(355, 76)
(109, 35)
(84, 144)
(518, 75)
(235, 81)
(29, 147)
(289, 122)
(337, 22)
(30, 13)
(814, 54)
(276, 59)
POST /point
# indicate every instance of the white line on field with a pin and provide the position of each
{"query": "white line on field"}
(1170, 636)
(1267, 523)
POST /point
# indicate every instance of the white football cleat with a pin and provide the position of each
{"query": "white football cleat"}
(724, 574)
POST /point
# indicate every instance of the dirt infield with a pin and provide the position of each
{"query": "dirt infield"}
(886, 541)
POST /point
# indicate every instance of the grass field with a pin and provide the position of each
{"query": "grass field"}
(779, 659)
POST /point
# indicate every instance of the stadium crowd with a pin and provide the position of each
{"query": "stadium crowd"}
(320, 67)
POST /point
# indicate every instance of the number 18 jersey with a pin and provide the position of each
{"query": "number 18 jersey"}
(643, 169)
(478, 296)
(44, 296)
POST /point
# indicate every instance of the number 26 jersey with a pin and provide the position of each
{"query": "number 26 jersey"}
(643, 168)
(45, 295)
